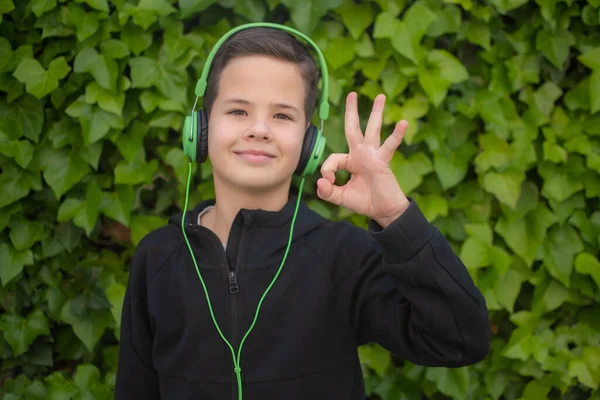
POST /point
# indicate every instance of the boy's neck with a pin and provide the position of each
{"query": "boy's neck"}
(229, 201)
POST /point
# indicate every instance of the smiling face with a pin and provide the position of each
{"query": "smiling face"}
(257, 124)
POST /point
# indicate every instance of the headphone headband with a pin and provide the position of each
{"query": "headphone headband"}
(323, 105)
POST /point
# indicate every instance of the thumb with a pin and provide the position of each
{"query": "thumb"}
(329, 192)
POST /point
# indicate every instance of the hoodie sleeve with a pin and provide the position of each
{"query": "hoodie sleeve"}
(410, 293)
(136, 377)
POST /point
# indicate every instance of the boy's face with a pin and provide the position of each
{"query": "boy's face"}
(259, 108)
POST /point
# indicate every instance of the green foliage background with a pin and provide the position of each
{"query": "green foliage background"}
(502, 154)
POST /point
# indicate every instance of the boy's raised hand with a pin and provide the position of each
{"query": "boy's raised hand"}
(372, 190)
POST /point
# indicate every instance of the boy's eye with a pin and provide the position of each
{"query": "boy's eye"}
(237, 112)
(283, 116)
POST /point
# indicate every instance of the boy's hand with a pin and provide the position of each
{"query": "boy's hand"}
(372, 190)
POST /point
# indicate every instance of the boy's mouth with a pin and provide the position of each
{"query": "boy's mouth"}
(255, 155)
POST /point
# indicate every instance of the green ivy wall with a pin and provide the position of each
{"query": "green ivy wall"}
(502, 154)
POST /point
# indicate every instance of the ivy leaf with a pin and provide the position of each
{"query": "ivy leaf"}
(559, 184)
(189, 7)
(418, 19)
(340, 51)
(253, 9)
(16, 184)
(69, 209)
(89, 327)
(496, 153)
(449, 20)
(60, 388)
(100, 5)
(20, 332)
(586, 367)
(86, 23)
(114, 48)
(548, 296)
(523, 69)
(525, 236)
(410, 171)
(88, 215)
(176, 159)
(440, 71)
(147, 72)
(158, 7)
(136, 38)
(24, 233)
(475, 253)
(118, 204)
(38, 81)
(536, 389)
(555, 45)
(388, 26)
(137, 171)
(452, 382)
(356, 17)
(591, 58)
(86, 376)
(595, 91)
(115, 294)
(307, 14)
(144, 72)
(13, 262)
(20, 150)
(451, 165)
(141, 225)
(102, 68)
(560, 248)
(505, 185)
(375, 357)
(99, 126)
(130, 142)
(7, 213)
(504, 6)
(106, 100)
(62, 170)
(433, 206)
(586, 263)
(39, 7)
(83, 213)
(478, 32)
(509, 287)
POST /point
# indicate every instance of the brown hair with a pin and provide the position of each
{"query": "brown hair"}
(270, 42)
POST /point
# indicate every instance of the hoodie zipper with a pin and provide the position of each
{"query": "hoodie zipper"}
(231, 276)
(233, 290)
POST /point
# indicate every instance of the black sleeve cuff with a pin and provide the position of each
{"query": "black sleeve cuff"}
(403, 238)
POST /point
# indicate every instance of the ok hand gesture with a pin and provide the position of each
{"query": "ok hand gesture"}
(372, 190)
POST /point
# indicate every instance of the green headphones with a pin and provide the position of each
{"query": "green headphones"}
(195, 147)
(195, 127)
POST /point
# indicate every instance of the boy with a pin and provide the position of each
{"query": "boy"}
(398, 284)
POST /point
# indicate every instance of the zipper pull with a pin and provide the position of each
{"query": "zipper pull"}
(233, 285)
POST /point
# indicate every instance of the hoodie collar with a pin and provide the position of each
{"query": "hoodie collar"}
(305, 220)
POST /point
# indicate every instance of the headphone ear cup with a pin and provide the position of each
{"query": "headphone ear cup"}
(189, 136)
(202, 144)
(307, 149)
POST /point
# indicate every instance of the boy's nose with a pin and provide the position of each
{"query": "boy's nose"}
(260, 130)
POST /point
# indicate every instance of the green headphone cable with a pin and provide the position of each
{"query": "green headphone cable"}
(236, 361)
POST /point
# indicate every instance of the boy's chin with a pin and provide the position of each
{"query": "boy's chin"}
(257, 182)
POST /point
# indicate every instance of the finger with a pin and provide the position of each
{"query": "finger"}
(373, 129)
(352, 124)
(333, 163)
(389, 147)
(329, 192)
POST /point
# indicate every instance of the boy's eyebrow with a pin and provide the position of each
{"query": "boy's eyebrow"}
(279, 105)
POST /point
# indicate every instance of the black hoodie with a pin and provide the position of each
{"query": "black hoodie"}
(341, 286)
